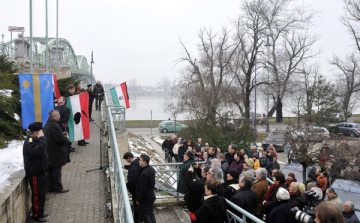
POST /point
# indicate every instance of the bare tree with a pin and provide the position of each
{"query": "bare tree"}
(205, 82)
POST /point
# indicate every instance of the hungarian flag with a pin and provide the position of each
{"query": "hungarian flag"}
(56, 88)
(79, 124)
(120, 94)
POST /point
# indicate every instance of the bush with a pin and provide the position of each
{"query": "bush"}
(221, 136)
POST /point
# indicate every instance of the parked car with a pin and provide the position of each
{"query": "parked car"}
(338, 117)
(277, 138)
(349, 129)
(313, 133)
(169, 126)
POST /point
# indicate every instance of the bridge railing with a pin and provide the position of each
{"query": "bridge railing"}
(124, 208)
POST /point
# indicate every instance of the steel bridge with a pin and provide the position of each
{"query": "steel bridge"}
(18, 50)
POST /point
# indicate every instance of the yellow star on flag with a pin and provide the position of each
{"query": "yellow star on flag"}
(26, 84)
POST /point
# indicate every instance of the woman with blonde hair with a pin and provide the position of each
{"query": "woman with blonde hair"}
(296, 191)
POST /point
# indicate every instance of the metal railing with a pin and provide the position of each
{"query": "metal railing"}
(232, 217)
(124, 208)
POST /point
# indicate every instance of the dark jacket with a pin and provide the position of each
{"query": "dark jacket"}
(68, 94)
(183, 170)
(181, 152)
(208, 161)
(264, 163)
(350, 217)
(167, 144)
(145, 186)
(98, 89)
(273, 200)
(274, 166)
(198, 147)
(280, 213)
(251, 153)
(229, 158)
(225, 168)
(246, 199)
(294, 202)
(133, 173)
(212, 210)
(196, 188)
(237, 165)
(92, 95)
(36, 160)
(230, 188)
(64, 116)
(56, 144)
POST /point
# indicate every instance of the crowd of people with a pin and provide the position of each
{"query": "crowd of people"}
(47, 149)
(241, 177)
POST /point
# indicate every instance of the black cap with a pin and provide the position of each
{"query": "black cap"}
(36, 126)
(234, 173)
(89, 85)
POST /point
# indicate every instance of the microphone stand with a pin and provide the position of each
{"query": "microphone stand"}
(101, 131)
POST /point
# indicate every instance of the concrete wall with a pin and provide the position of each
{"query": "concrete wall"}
(64, 72)
(15, 203)
(123, 145)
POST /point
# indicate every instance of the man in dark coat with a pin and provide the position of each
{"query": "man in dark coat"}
(281, 212)
(198, 145)
(212, 154)
(36, 165)
(274, 165)
(229, 156)
(92, 95)
(245, 197)
(99, 91)
(64, 118)
(349, 213)
(196, 188)
(145, 196)
(181, 151)
(56, 150)
(232, 184)
(132, 177)
(167, 144)
(188, 160)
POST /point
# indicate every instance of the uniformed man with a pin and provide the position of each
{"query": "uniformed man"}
(36, 165)
(92, 95)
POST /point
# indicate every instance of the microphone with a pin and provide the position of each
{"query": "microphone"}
(85, 114)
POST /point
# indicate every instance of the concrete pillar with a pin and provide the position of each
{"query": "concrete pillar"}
(22, 51)
(55, 56)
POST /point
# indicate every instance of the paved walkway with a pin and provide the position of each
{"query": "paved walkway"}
(88, 196)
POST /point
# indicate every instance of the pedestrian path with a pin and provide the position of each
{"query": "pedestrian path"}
(88, 198)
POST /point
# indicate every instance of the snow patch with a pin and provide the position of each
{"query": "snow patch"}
(6, 92)
(17, 117)
(11, 161)
(158, 140)
(109, 205)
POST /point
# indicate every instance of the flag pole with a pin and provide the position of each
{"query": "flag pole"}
(31, 43)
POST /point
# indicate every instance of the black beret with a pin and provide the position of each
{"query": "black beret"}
(36, 126)
(89, 85)
(234, 173)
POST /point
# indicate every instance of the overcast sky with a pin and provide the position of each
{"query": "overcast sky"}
(140, 38)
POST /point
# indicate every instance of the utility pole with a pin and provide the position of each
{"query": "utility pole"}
(255, 134)
(46, 40)
(91, 63)
(57, 39)
(31, 42)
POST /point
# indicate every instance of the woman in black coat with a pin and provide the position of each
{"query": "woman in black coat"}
(214, 207)
(279, 182)
(188, 160)
(281, 211)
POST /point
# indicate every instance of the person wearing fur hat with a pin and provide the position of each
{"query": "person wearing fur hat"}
(248, 169)
(281, 212)
(232, 184)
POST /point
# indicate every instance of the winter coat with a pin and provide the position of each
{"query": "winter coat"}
(269, 205)
(212, 210)
(98, 89)
(145, 186)
(295, 203)
(196, 188)
(247, 171)
(92, 95)
(36, 160)
(57, 149)
(336, 201)
(274, 165)
(176, 149)
(230, 188)
(350, 217)
(261, 188)
(229, 158)
(167, 144)
(225, 168)
(237, 165)
(322, 182)
(181, 152)
(198, 147)
(245, 198)
(288, 182)
(133, 173)
(280, 213)
(251, 153)
(264, 163)
(68, 94)
(183, 170)
(64, 117)
(256, 164)
(210, 157)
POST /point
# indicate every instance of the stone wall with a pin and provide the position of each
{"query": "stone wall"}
(64, 72)
(15, 202)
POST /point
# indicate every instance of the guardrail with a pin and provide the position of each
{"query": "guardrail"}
(125, 214)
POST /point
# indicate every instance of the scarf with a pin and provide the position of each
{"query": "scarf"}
(271, 188)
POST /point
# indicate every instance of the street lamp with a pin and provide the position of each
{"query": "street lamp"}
(256, 39)
(91, 62)
(2, 38)
(268, 44)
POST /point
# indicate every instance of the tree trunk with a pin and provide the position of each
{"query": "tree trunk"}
(279, 116)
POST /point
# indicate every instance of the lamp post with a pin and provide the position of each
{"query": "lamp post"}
(2, 38)
(91, 62)
(268, 44)
(255, 60)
